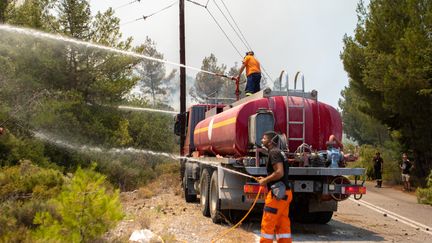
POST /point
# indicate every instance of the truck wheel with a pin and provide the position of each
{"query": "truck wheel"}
(182, 169)
(204, 192)
(188, 197)
(323, 217)
(299, 212)
(215, 212)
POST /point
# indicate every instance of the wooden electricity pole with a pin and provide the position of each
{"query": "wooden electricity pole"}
(182, 76)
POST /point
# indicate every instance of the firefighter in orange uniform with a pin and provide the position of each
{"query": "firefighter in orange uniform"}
(275, 219)
(253, 73)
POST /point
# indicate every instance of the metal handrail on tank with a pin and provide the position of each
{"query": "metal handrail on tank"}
(303, 100)
(287, 100)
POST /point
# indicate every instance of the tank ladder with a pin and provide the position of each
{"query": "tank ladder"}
(296, 106)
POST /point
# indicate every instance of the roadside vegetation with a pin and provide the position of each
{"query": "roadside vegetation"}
(387, 107)
(424, 195)
(66, 150)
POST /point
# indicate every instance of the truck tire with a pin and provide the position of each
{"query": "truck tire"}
(204, 192)
(182, 169)
(323, 217)
(188, 197)
(215, 212)
(299, 212)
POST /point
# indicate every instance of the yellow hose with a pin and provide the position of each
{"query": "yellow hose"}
(235, 226)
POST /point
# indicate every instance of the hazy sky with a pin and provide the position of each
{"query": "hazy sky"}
(291, 35)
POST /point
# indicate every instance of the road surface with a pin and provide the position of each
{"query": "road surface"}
(383, 215)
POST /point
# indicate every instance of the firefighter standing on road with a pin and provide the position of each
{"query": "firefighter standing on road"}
(276, 209)
(378, 169)
(253, 73)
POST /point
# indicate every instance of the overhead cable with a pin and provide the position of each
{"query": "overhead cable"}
(197, 3)
(220, 27)
(245, 42)
(235, 23)
(145, 17)
(265, 71)
(217, 23)
(232, 27)
(124, 5)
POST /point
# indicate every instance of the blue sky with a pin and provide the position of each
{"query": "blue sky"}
(291, 35)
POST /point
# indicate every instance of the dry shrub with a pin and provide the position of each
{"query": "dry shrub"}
(144, 221)
(145, 192)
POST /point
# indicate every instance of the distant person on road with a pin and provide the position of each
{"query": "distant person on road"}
(275, 218)
(253, 73)
(406, 167)
(378, 169)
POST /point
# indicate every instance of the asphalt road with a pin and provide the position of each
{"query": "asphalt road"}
(382, 215)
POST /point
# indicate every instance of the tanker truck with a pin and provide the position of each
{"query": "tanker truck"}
(222, 139)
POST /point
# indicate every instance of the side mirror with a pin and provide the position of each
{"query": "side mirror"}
(177, 125)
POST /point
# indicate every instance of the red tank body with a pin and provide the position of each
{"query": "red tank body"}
(226, 133)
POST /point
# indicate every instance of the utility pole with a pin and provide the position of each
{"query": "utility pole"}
(182, 76)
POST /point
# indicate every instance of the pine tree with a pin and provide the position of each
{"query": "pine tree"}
(389, 63)
(86, 209)
(207, 85)
(152, 73)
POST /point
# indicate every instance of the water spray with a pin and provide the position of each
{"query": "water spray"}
(132, 108)
(83, 148)
(56, 37)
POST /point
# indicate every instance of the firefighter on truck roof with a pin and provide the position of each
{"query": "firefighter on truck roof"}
(253, 73)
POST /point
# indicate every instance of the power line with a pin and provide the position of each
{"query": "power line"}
(217, 23)
(197, 3)
(235, 23)
(220, 27)
(265, 71)
(242, 38)
(245, 42)
(235, 31)
(145, 17)
(124, 5)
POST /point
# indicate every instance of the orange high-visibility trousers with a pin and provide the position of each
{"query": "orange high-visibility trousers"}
(275, 219)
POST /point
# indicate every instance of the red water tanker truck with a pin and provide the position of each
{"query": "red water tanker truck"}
(222, 139)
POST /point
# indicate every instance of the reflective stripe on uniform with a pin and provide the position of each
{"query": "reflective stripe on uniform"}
(270, 210)
(267, 236)
(278, 236)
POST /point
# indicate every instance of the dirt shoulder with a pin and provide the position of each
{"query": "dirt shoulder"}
(167, 214)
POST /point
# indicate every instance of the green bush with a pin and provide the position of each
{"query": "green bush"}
(24, 191)
(86, 208)
(29, 181)
(167, 168)
(424, 195)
